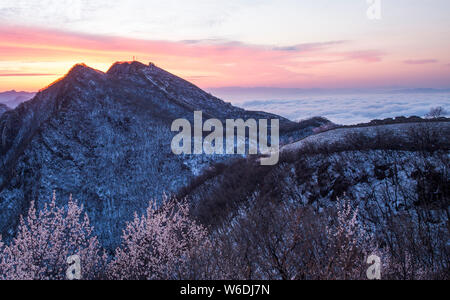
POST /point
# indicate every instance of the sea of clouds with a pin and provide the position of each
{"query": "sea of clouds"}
(351, 109)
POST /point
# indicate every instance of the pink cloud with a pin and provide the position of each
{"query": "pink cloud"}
(420, 61)
(208, 63)
(366, 56)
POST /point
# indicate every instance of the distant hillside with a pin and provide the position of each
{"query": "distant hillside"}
(400, 132)
(352, 162)
(13, 98)
(384, 187)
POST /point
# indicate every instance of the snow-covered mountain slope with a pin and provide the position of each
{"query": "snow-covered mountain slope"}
(13, 98)
(398, 167)
(400, 131)
(105, 138)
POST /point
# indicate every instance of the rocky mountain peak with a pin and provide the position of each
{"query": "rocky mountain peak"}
(82, 72)
(126, 68)
(82, 69)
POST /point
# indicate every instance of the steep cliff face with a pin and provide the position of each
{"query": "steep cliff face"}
(104, 138)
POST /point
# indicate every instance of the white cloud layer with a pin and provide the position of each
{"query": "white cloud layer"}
(351, 109)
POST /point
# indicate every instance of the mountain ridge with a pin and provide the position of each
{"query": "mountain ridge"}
(105, 139)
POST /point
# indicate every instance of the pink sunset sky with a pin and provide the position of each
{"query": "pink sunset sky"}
(246, 43)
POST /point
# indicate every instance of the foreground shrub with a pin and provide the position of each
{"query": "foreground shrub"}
(279, 241)
(276, 240)
(46, 239)
(165, 243)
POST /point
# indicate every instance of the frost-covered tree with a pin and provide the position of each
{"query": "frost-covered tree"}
(349, 244)
(284, 241)
(45, 240)
(437, 112)
(165, 243)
